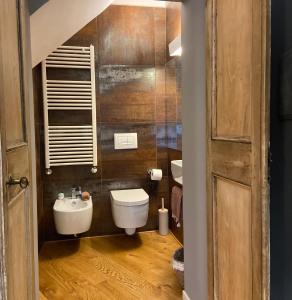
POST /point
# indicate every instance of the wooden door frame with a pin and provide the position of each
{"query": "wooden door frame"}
(261, 178)
(264, 164)
(27, 94)
(3, 209)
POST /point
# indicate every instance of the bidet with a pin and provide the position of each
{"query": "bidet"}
(72, 215)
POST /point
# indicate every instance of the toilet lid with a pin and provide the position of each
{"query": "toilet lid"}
(130, 197)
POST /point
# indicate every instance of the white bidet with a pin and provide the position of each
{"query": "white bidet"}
(72, 216)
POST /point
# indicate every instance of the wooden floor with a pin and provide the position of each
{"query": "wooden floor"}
(115, 267)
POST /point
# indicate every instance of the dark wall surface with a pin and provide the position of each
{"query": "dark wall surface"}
(173, 23)
(35, 5)
(173, 102)
(174, 154)
(173, 71)
(281, 152)
(138, 90)
(130, 46)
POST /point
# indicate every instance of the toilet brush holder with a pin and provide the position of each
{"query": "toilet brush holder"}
(163, 220)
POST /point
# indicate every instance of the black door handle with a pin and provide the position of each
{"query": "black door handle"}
(23, 182)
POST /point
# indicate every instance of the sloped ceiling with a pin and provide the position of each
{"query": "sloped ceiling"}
(58, 20)
(36, 4)
(54, 22)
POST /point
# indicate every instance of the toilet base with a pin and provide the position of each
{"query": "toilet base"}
(130, 231)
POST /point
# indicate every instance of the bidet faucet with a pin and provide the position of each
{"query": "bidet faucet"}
(76, 192)
(73, 191)
(79, 192)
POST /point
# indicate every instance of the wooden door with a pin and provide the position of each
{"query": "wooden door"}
(237, 60)
(16, 201)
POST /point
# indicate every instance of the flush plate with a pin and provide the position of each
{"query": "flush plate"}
(126, 141)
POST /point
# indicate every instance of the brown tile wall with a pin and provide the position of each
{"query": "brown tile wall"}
(138, 90)
(173, 79)
(130, 45)
(173, 22)
(173, 104)
(177, 231)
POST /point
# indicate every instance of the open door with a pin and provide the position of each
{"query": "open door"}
(237, 61)
(17, 251)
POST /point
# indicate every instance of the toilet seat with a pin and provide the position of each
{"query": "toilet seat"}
(130, 197)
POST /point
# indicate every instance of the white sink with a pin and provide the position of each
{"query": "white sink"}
(176, 169)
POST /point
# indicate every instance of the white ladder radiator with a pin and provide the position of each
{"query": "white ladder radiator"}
(70, 145)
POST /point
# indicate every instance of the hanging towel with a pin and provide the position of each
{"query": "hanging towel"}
(176, 204)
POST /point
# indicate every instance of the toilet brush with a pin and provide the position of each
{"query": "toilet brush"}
(163, 219)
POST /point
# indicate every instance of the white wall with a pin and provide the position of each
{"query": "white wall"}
(194, 148)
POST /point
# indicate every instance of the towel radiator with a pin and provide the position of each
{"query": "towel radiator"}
(70, 145)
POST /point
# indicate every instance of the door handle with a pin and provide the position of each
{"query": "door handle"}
(23, 182)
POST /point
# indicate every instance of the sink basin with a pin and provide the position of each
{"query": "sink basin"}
(176, 169)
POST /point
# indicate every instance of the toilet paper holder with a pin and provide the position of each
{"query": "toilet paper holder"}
(155, 174)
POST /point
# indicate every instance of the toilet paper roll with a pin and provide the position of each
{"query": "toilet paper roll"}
(156, 174)
(163, 221)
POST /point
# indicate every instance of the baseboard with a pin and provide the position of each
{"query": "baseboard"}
(175, 238)
(185, 296)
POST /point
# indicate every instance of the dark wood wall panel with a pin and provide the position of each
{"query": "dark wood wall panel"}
(173, 23)
(173, 93)
(177, 231)
(130, 48)
(172, 113)
(126, 36)
(173, 103)
(138, 90)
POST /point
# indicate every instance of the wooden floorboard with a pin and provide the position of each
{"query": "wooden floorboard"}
(42, 297)
(110, 268)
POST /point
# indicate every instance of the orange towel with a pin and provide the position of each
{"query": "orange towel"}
(176, 204)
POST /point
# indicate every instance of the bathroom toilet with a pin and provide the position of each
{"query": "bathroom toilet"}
(72, 215)
(130, 209)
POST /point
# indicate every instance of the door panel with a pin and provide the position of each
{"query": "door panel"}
(232, 160)
(232, 108)
(18, 255)
(237, 149)
(12, 70)
(15, 149)
(233, 254)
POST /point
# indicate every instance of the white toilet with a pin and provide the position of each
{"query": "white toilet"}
(72, 215)
(130, 209)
